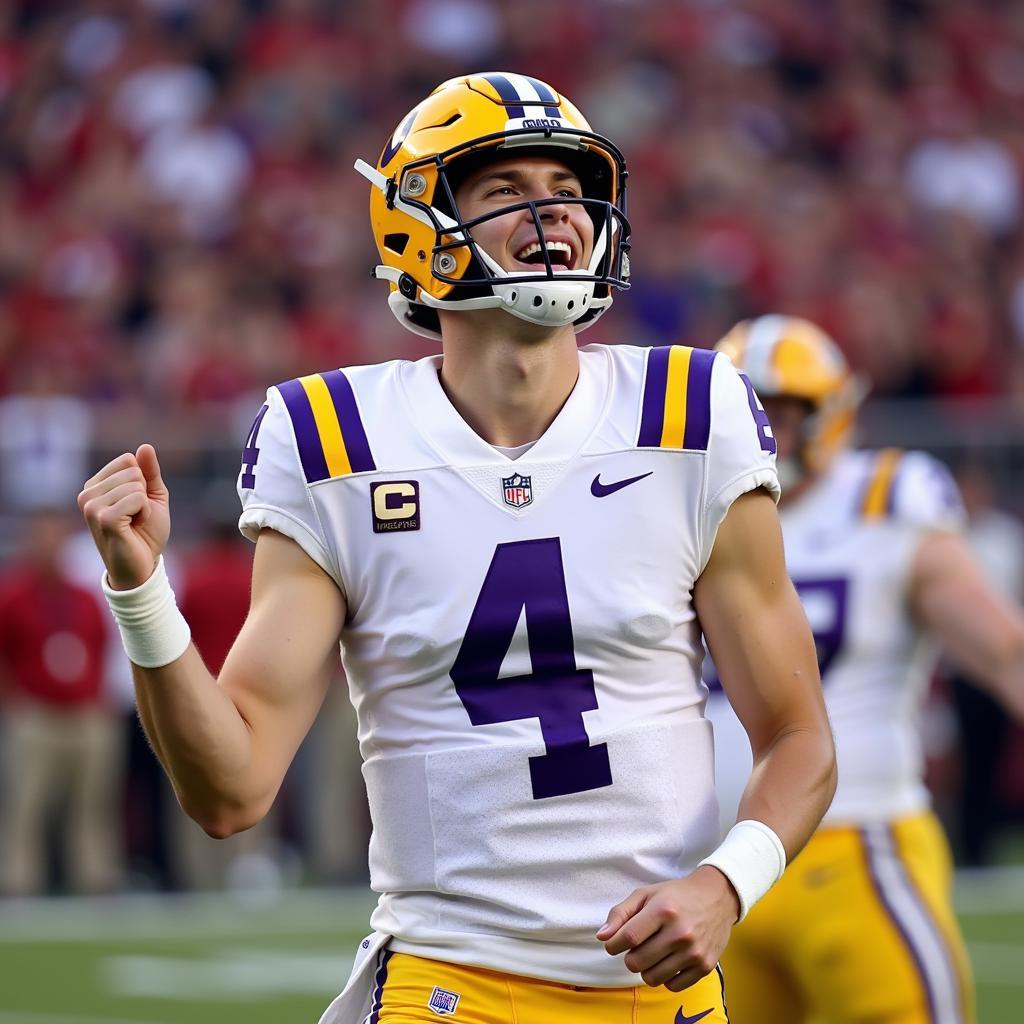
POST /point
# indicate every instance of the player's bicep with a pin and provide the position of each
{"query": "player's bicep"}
(285, 656)
(755, 627)
(952, 599)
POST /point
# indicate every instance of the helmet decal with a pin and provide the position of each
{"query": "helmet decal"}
(395, 142)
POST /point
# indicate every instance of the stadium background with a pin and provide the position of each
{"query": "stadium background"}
(180, 227)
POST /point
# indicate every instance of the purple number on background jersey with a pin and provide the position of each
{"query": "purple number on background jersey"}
(529, 574)
(830, 632)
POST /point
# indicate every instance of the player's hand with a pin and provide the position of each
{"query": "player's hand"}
(674, 932)
(126, 507)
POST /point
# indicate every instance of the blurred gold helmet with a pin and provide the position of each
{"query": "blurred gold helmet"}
(789, 357)
(427, 250)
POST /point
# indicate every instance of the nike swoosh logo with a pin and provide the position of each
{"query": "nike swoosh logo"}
(600, 490)
(680, 1019)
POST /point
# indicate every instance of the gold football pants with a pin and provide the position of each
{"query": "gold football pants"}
(860, 930)
(414, 990)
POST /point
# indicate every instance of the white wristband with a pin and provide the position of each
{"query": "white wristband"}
(753, 858)
(153, 631)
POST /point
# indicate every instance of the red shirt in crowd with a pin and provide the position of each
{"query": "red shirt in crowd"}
(215, 597)
(52, 639)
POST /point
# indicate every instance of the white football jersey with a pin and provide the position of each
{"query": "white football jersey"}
(521, 645)
(850, 542)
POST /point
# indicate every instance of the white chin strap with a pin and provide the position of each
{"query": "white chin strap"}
(547, 303)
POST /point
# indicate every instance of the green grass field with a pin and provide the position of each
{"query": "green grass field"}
(215, 960)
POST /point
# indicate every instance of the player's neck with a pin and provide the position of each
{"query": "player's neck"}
(508, 379)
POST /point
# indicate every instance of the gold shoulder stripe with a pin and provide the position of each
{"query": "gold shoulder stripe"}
(327, 424)
(674, 428)
(877, 503)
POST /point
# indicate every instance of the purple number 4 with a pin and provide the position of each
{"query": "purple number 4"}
(529, 574)
(251, 454)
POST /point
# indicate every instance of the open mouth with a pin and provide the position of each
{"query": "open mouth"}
(561, 254)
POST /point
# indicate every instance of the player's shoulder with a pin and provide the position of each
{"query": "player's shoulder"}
(905, 486)
(672, 390)
(338, 421)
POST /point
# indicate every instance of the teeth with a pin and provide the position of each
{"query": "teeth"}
(552, 247)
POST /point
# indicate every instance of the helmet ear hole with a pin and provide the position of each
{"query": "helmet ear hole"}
(396, 242)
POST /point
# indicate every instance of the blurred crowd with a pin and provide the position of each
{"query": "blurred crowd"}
(180, 227)
(180, 223)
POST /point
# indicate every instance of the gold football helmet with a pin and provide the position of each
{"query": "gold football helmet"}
(428, 254)
(788, 357)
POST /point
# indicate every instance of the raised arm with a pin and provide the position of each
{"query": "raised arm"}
(225, 743)
(762, 647)
(978, 628)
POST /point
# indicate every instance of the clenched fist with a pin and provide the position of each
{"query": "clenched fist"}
(126, 508)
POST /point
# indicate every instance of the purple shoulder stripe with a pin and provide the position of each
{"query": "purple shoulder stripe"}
(698, 400)
(356, 444)
(652, 416)
(311, 452)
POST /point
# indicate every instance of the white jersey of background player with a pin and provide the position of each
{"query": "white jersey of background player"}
(512, 541)
(861, 927)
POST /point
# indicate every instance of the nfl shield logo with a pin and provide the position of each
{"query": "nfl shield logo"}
(443, 1002)
(517, 489)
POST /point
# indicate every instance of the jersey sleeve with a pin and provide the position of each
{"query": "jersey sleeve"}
(741, 449)
(925, 494)
(272, 485)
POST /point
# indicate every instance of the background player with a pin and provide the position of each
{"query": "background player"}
(513, 542)
(862, 928)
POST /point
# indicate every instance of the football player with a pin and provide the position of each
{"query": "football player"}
(861, 929)
(513, 540)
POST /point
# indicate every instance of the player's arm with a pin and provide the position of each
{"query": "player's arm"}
(673, 933)
(762, 647)
(978, 628)
(225, 743)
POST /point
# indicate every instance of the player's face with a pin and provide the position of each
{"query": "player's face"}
(787, 416)
(512, 240)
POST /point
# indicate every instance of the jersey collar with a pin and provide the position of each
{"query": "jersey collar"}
(457, 443)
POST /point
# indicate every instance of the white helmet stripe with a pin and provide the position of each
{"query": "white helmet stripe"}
(761, 341)
(523, 87)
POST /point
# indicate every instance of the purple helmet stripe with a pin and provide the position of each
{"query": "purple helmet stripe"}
(311, 451)
(546, 95)
(698, 400)
(652, 417)
(509, 95)
(380, 980)
(915, 923)
(356, 444)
